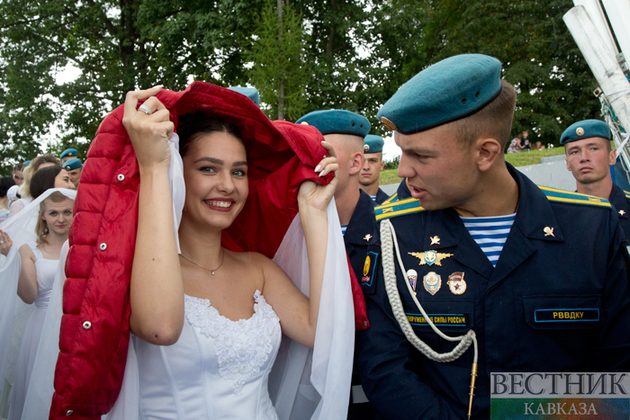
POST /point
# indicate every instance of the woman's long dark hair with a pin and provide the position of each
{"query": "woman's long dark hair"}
(43, 179)
(192, 126)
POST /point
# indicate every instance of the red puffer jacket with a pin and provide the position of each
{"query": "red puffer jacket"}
(94, 333)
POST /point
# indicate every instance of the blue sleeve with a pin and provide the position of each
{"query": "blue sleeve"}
(612, 351)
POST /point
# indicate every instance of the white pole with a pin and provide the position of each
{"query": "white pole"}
(596, 14)
(602, 61)
(618, 12)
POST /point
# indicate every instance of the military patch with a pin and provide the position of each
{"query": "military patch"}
(456, 283)
(412, 277)
(430, 257)
(369, 269)
(440, 320)
(566, 315)
(432, 282)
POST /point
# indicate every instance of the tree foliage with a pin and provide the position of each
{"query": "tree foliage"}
(332, 54)
(279, 60)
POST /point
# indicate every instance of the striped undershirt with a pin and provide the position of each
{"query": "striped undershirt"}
(490, 233)
(373, 197)
(343, 229)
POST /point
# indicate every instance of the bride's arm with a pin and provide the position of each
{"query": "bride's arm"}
(156, 290)
(298, 314)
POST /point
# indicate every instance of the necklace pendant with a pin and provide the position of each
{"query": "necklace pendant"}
(212, 272)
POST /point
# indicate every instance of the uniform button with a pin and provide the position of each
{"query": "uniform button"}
(87, 325)
(120, 177)
(69, 412)
(103, 246)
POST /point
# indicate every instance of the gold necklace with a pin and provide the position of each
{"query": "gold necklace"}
(201, 266)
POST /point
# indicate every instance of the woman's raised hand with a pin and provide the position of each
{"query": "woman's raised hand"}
(315, 196)
(149, 127)
(5, 243)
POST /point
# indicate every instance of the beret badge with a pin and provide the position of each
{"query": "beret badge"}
(388, 124)
(579, 131)
(366, 147)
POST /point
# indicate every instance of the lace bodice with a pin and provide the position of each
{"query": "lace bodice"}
(218, 369)
(242, 347)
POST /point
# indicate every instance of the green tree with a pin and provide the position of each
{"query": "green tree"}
(278, 69)
(117, 46)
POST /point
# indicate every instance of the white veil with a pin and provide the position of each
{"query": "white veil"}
(14, 312)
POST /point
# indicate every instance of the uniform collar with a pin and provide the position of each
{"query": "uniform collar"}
(362, 224)
(535, 219)
(618, 199)
(535, 216)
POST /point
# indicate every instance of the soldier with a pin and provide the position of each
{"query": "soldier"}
(74, 168)
(251, 93)
(345, 131)
(372, 166)
(67, 155)
(589, 158)
(495, 257)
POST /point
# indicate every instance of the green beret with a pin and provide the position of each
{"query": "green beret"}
(69, 153)
(337, 121)
(251, 93)
(72, 164)
(447, 91)
(373, 144)
(27, 162)
(585, 129)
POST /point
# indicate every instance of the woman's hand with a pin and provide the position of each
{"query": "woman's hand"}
(149, 133)
(5, 243)
(314, 196)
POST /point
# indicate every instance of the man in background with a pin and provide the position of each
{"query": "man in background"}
(372, 166)
(589, 157)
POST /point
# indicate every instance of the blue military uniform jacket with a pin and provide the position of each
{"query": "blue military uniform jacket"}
(621, 201)
(381, 196)
(361, 240)
(563, 254)
(361, 233)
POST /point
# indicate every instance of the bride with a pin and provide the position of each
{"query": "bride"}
(208, 321)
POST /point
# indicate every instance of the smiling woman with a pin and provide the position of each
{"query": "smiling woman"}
(211, 314)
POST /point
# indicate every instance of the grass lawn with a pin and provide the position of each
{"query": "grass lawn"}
(516, 159)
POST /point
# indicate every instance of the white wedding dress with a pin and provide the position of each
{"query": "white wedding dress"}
(218, 369)
(46, 271)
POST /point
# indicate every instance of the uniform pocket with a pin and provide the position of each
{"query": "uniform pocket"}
(563, 312)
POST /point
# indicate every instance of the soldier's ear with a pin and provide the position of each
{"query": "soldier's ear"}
(487, 150)
(356, 163)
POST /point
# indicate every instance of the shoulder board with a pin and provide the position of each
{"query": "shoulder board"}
(561, 196)
(625, 192)
(397, 208)
(393, 199)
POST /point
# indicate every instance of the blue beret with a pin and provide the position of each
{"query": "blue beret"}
(373, 144)
(72, 164)
(69, 153)
(27, 162)
(251, 93)
(585, 129)
(447, 91)
(337, 121)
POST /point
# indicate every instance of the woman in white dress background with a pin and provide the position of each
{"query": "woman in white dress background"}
(218, 311)
(39, 261)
